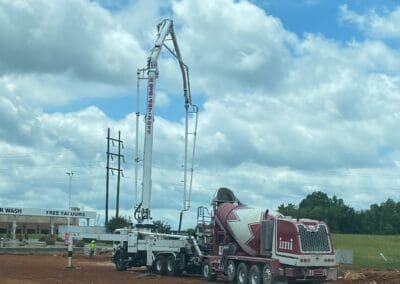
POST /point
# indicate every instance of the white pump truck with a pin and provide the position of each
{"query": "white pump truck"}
(163, 253)
(139, 245)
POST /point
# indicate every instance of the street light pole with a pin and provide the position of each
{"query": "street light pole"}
(69, 264)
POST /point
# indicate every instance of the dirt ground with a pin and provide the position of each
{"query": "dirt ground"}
(43, 269)
(38, 269)
(370, 276)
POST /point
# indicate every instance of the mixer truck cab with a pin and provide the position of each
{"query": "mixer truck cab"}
(250, 245)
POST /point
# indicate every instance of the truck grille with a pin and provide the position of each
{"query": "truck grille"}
(314, 240)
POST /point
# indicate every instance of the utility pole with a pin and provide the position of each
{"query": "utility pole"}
(119, 174)
(69, 263)
(108, 176)
(119, 170)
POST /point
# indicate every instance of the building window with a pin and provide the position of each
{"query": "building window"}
(44, 231)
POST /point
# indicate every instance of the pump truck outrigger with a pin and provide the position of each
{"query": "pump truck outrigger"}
(245, 244)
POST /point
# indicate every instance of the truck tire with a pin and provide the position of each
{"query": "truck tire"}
(120, 264)
(266, 275)
(207, 272)
(160, 265)
(254, 275)
(172, 267)
(231, 271)
(242, 275)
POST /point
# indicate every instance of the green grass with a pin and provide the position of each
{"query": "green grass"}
(367, 249)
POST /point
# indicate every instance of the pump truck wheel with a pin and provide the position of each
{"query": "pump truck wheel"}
(207, 271)
(160, 265)
(242, 273)
(172, 266)
(231, 271)
(254, 275)
(120, 264)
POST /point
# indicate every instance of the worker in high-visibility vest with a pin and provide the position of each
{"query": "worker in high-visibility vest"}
(92, 248)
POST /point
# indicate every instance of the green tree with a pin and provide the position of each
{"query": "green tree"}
(116, 223)
(315, 199)
(319, 206)
(191, 232)
(381, 218)
(289, 210)
(161, 227)
(390, 216)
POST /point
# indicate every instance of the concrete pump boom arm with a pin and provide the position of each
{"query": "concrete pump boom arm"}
(165, 29)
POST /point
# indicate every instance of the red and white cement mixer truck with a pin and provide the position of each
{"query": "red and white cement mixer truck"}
(252, 246)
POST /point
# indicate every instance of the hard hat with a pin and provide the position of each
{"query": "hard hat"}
(93, 241)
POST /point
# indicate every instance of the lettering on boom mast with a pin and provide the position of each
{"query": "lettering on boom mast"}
(150, 104)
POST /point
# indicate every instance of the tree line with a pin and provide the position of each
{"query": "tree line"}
(124, 222)
(381, 218)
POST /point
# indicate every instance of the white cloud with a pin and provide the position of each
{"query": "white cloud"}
(384, 25)
(162, 100)
(41, 90)
(66, 36)
(229, 45)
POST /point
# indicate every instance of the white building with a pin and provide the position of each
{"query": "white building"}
(16, 220)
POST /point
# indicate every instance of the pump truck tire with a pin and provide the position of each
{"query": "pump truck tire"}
(242, 275)
(231, 271)
(254, 275)
(172, 267)
(266, 275)
(207, 272)
(160, 265)
(120, 264)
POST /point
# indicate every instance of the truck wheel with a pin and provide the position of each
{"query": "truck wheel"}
(207, 271)
(242, 273)
(160, 265)
(267, 277)
(172, 268)
(120, 262)
(254, 275)
(231, 271)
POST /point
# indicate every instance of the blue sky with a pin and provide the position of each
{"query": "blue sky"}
(294, 96)
(321, 16)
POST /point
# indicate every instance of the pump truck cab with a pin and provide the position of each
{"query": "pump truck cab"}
(252, 246)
